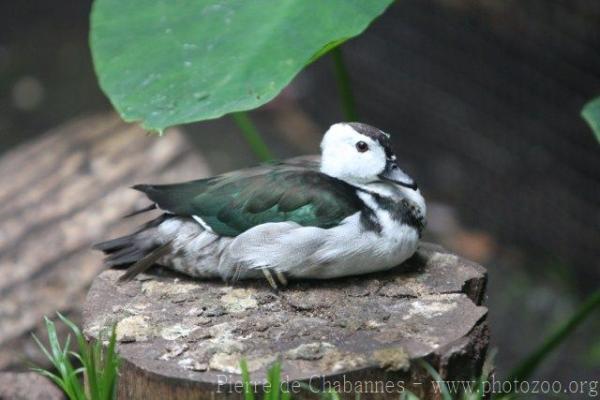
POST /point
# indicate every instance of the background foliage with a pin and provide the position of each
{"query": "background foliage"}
(165, 63)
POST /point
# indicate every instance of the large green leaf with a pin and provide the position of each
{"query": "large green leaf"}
(591, 113)
(167, 62)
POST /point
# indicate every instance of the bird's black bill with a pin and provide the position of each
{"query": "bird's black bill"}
(394, 174)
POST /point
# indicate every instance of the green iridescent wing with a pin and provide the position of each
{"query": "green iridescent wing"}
(233, 203)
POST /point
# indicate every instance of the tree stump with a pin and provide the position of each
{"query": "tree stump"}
(59, 194)
(182, 338)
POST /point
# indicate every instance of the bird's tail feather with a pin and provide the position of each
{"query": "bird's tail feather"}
(145, 262)
(126, 250)
(141, 210)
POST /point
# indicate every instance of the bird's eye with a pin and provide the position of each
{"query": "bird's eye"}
(362, 146)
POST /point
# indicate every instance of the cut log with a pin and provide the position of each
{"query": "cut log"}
(61, 193)
(184, 339)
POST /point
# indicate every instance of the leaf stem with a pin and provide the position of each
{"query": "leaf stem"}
(527, 366)
(252, 136)
(343, 83)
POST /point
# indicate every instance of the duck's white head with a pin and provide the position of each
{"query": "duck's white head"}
(361, 155)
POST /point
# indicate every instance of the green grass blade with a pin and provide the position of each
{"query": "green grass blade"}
(77, 356)
(59, 357)
(71, 377)
(57, 380)
(526, 368)
(438, 379)
(110, 367)
(248, 393)
(476, 393)
(330, 395)
(274, 379)
(92, 370)
(72, 373)
(86, 357)
(71, 325)
(55, 347)
(81, 342)
(408, 395)
(99, 369)
(60, 360)
(45, 351)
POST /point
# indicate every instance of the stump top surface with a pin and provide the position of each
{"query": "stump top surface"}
(199, 330)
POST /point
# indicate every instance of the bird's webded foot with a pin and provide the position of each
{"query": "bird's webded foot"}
(281, 277)
(234, 276)
(268, 273)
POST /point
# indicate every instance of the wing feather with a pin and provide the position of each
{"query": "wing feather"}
(235, 202)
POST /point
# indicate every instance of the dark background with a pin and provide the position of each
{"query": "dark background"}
(482, 98)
